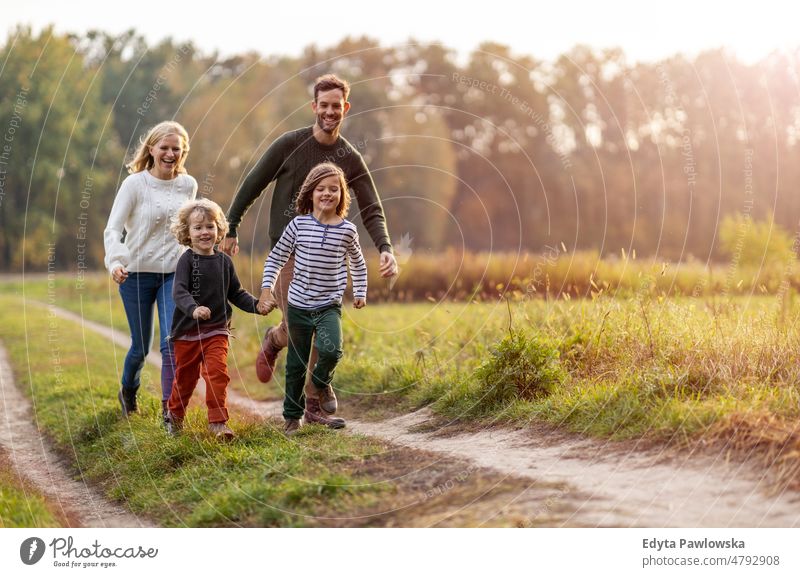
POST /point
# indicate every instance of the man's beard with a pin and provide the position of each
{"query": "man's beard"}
(321, 124)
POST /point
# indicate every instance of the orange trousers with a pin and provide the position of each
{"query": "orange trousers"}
(208, 357)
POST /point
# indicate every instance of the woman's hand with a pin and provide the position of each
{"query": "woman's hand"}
(119, 274)
(359, 303)
(201, 313)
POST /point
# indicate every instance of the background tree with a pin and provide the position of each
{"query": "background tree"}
(60, 153)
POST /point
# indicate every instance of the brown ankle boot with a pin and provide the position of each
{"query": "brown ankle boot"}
(315, 414)
(291, 426)
(327, 400)
(266, 359)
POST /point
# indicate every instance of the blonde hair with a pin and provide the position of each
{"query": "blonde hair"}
(180, 222)
(143, 160)
(305, 198)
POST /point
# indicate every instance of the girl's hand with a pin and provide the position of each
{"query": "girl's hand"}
(201, 313)
(119, 274)
(359, 303)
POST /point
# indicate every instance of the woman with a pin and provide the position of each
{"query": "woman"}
(142, 253)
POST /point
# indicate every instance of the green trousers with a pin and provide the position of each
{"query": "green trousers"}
(304, 325)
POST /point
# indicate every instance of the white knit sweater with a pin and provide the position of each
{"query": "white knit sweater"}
(144, 206)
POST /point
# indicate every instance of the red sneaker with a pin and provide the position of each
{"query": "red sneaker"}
(265, 361)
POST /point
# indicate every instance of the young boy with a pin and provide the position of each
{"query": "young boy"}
(322, 241)
(205, 282)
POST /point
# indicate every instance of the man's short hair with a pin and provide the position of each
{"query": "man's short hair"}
(331, 82)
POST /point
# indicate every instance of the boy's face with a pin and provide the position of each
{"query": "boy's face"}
(202, 233)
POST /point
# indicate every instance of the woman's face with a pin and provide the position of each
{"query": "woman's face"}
(166, 154)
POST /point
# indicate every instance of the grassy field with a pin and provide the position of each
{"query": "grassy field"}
(190, 480)
(555, 272)
(318, 478)
(718, 369)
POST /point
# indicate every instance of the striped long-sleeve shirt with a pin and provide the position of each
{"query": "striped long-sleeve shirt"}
(321, 253)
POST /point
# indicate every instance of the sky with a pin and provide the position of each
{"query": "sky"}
(646, 31)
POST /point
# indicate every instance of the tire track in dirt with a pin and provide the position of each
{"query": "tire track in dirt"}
(33, 458)
(605, 485)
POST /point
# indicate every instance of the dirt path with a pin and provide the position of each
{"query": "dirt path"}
(604, 484)
(33, 458)
(624, 488)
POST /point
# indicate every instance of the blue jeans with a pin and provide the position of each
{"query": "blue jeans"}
(139, 292)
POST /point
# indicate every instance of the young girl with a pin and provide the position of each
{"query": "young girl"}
(322, 241)
(205, 281)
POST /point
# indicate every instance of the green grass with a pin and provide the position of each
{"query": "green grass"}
(21, 505)
(261, 479)
(645, 366)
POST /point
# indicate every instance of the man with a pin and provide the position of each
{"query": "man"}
(287, 161)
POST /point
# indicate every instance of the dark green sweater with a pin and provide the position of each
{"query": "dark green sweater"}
(288, 161)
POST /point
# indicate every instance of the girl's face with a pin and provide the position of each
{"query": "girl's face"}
(326, 196)
(166, 154)
(202, 233)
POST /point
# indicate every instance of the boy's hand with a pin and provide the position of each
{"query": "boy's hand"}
(359, 303)
(201, 313)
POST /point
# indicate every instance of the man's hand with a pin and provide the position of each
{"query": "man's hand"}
(388, 266)
(201, 313)
(230, 245)
(359, 303)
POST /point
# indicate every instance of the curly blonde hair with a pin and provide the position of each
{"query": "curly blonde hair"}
(143, 160)
(305, 198)
(180, 222)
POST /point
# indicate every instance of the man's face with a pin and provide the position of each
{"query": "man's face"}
(330, 109)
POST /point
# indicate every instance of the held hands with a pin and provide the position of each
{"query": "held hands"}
(119, 274)
(360, 303)
(201, 313)
(266, 302)
(264, 308)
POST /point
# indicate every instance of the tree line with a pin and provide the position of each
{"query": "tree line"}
(495, 152)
